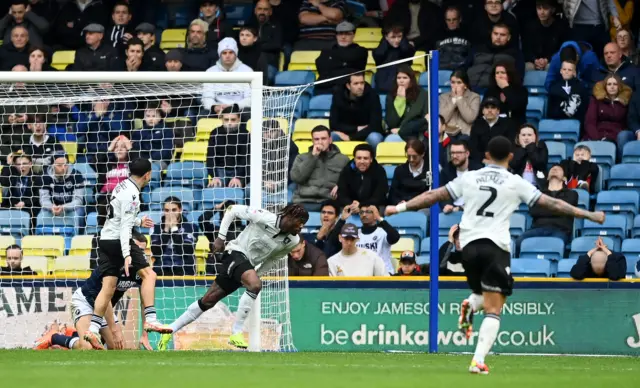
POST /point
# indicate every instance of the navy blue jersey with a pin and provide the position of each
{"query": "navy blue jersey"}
(91, 288)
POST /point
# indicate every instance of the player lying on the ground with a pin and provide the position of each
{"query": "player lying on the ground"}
(491, 195)
(82, 303)
(267, 238)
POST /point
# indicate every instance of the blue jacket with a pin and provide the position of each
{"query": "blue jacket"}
(588, 62)
(155, 143)
(627, 72)
(174, 249)
(98, 132)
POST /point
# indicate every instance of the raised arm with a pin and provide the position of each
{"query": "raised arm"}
(561, 207)
(422, 201)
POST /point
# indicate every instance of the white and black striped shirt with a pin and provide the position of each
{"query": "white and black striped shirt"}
(124, 206)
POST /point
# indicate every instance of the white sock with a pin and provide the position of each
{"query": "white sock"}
(73, 342)
(96, 324)
(193, 312)
(488, 333)
(244, 308)
(476, 301)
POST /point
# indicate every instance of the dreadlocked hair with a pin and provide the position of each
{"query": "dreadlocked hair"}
(295, 211)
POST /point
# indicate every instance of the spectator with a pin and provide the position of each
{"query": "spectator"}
(318, 21)
(111, 171)
(490, 125)
(283, 13)
(600, 262)
(99, 126)
(278, 157)
(454, 45)
(506, 86)
(154, 141)
(422, 21)
(228, 150)
(39, 145)
(96, 55)
(217, 97)
(377, 235)
(580, 53)
(459, 108)
(14, 263)
(394, 46)
(39, 59)
(409, 267)
(154, 57)
(460, 163)
(173, 241)
(624, 39)
(307, 260)
(343, 58)
(374, 13)
(547, 223)
(614, 63)
(74, 16)
(46, 9)
(363, 180)
(63, 189)
(132, 61)
(450, 254)
(16, 51)
(606, 117)
(589, 21)
(354, 261)
(251, 54)
(484, 60)
(530, 156)
(407, 107)
(485, 23)
(356, 113)
(173, 60)
(625, 10)
(580, 172)
(270, 33)
(542, 37)
(120, 30)
(20, 14)
(411, 178)
(323, 238)
(633, 116)
(211, 12)
(22, 184)
(316, 172)
(199, 55)
(568, 97)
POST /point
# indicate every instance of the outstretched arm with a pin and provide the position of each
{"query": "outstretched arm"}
(564, 208)
(422, 201)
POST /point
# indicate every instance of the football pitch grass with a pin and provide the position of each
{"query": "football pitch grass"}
(26, 368)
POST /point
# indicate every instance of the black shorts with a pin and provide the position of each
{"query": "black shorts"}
(111, 261)
(487, 267)
(234, 264)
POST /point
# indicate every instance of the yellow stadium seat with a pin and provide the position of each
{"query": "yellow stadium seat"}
(40, 264)
(202, 252)
(303, 60)
(368, 38)
(303, 145)
(81, 245)
(72, 267)
(284, 123)
(5, 241)
(371, 63)
(303, 128)
(419, 63)
(205, 127)
(404, 244)
(71, 149)
(138, 123)
(50, 246)
(195, 151)
(178, 121)
(391, 153)
(173, 38)
(346, 147)
(62, 59)
(281, 61)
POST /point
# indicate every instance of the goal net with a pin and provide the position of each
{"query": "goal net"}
(214, 140)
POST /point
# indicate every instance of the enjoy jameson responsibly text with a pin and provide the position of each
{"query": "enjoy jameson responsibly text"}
(413, 308)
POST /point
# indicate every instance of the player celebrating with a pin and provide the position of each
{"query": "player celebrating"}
(490, 195)
(117, 252)
(268, 238)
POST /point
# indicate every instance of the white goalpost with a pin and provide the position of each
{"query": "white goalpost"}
(86, 117)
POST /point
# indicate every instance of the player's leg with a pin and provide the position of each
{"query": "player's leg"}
(99, 308)
(140, 265)
(253, 286)
(469, 306)
(493, 302)
(73, 341)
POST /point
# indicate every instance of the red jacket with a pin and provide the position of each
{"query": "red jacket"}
(606, 118)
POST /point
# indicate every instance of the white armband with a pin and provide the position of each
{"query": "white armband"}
(402, 207)
(137, 222)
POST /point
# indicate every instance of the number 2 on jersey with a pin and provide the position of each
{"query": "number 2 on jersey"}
(493, 193)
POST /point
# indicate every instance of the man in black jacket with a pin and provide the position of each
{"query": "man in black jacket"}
(494, 14)
(363, 180)
(227, 151)
(270, 36)
(73, 17)
(487, 56)
(120, 30)
(153, 59)
(39, 145)
(21, 14)
(63, 189)
(307, 260)
(356, 113)
(543, 36)
(547, 223)
(460, 163)
(97, 55)
(600, 262)
(14, 263)
(198, 55)
(422, 20)
(211, 12)
(393, 46)
(490, 125)
(15, 52)
(453, 45)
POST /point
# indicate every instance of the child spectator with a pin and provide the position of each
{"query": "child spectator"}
(600, 262)
(250, 53)
(154, 140)
(393, 46)
(211, 12)
(580, 53)
(568, 97)
(111, 172)
(14, 263)
(506, 86)
(409, 267)
(530, 157)
(406, 110)
(580, 172)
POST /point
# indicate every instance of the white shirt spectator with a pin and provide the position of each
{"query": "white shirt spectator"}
(362, 263)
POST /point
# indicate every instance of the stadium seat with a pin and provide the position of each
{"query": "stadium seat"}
(72, 267)
(212, 196)
(631, 251)
(201, 252)
(410, 224)
(518, 224)
(156, 217)
(368, 38)
(404, 244)
(66, 224)
(559, 130)
(602, 152)
(524, 267)
(195, 151)
(303, 127)
(40, 264)
(92, 224)
(173, 38)
(383, 103)
(303, 145)
(371, 63)
(282, 122)
(423, 80)
(205, 127)
(184, 194)
(313, 224)
(71, 149)
(237, 14)
(631, 152)
(615, 226)
(5, 241)
(295, 78)
(425, 245)
(346, 147)
(189, 174)
(15, 222)
(391, 153)
(583, 198)
(390, 170)
(536, 108)
(81, 245)
(624, 176)
(63, 58)
(557, 152)
(446, 221)
(89, 174)
(50, 246)
(320, 106)
(534, 82)
(635, 230)
(303, 60)
(549, 248)
(623, 202)
(583, 244)
(444, 81)
(419, 65)
(564, 267)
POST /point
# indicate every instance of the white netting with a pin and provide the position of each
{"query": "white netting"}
(51, 208)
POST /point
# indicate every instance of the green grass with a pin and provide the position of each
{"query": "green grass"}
(25, 368)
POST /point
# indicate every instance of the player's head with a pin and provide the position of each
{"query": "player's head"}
(499, 150)
(14, 257)
(298, 252)
(140, 169)
(368, 213)
(293, 218)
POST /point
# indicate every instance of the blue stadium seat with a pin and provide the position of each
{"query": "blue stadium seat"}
(425, 245)
(390, 170)
(530, 267)
(356, 8)
(444, 81)
(534, 82)
(410, 224)
(635, 230)
(15, 222)
(92, 224)
(184, 194)
(189, 174)
(624, 176)
(156, 216)
(313, 225)
(237, 14)
(296, 78)
(557, 152)
(583, 198)
(518, 224)
(66, 224)
(615, 226)
(582, 245)
(602, 152)
(319, 106)
(631, 251)
(623, 202)
(446, 221)
(89, 174)
(536, 107)
(631, 152)
(564, 267)
(549, 248)
(560, 130)
(214, 195)
(383, 103)
(423, 80)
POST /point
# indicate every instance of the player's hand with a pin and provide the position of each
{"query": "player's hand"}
(390, 210)
(447, 209)
(218, 245)
(146, 222)
(118, 339)
(452, 231)
(127, 264)
(144, 341)
(598, 217)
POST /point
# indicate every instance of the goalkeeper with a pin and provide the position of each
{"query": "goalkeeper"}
(267, 238)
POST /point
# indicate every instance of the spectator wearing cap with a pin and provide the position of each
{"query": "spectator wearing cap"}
(20, 14)
(363, 180)
(318, 20)
(14, 263)
(216, 97)
(198, 55)
(488, 126)
(133, 56)
(307, 260)
(120, 30)
(343, 58)
(154, 57)
(600, 262)
(422, 21)
(376, 234)
(450, 254)
(16, 51)
(409, 267)
(211, 12)
(73, 17)
(39, 144)
(354, 261)
(270, 32)
(173, 60)
(63, 188)
(96, 55)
